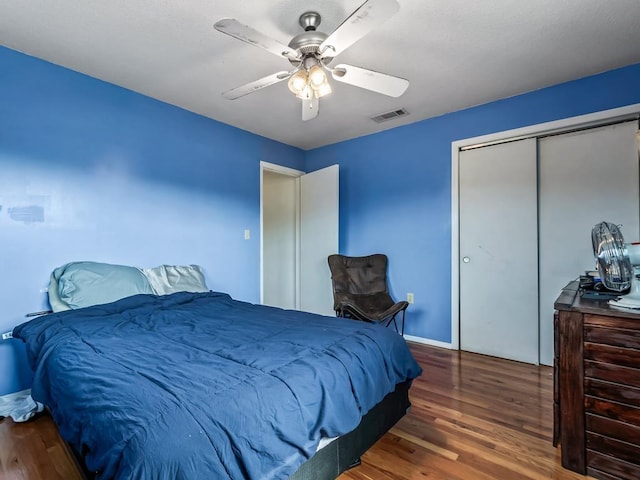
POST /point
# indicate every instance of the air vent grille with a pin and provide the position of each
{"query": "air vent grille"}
(402, 112)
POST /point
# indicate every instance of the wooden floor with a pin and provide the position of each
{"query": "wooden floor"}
(473, 417)
(34, 451)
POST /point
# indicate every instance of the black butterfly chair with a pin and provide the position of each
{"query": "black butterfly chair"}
(360, 290)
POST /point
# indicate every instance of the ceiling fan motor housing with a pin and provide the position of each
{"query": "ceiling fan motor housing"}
(308, 43)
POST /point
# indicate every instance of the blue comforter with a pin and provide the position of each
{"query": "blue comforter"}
(201, 386)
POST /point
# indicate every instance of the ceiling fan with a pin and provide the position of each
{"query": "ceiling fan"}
(311, 52)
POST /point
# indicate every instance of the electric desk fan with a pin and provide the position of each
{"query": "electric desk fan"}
(616, 264)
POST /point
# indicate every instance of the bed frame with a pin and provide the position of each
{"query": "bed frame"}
(344, 452)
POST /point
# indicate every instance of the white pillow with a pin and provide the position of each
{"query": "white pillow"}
(167, 279)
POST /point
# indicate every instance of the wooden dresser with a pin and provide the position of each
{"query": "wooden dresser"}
(597, 387)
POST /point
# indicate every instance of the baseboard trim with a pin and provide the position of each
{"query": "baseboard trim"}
(428, 341)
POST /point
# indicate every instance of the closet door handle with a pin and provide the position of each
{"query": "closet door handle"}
(466, 259)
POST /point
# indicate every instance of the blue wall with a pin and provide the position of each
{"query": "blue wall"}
(395, 186)
(91, 171)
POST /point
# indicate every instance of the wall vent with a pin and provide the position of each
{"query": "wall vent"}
(402, 112)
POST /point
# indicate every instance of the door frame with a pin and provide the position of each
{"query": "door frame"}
(291, 172)
(628, 112)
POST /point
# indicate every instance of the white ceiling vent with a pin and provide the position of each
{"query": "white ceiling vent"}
(390, 115)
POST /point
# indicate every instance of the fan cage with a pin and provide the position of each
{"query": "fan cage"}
(614, 267)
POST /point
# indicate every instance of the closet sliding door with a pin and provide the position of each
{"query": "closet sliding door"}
(585, 177)
(527, 208)
(499, 251)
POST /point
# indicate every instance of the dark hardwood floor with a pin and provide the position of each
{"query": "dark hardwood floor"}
(473, 417)
(34, 451)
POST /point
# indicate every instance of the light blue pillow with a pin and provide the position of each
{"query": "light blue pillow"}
(57, 305)
(83, 284)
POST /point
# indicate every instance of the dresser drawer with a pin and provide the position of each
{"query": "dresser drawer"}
(614, 468)
(614, 448)
(612, 373)
(628, 357)
(612, 391)
(619, 337)
(612, 428)
(628, 323)
(613, 410)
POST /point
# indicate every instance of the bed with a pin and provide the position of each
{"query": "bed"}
(195, 384)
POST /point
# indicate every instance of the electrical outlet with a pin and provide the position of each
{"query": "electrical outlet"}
(7, 335)
(247, 234)
(410, 297)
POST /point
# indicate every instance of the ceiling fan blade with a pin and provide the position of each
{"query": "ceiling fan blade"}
(368, 16)
(257, 85)
(232, 27)
(369, 79)
(310, 108)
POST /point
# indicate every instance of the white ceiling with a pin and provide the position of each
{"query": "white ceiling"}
(455, 53)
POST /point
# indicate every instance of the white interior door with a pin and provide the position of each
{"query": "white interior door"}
(585, 177)
(319, 218)
(498, 251)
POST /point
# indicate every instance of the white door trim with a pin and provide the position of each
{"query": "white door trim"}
(556, 126)
(272, 167)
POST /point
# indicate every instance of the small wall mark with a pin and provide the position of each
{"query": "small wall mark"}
(27, 214)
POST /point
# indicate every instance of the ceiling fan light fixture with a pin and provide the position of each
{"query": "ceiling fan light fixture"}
(318, 81)
(306, 93)
(317, 77)
(298, 82)
(322, 90)
(308, 83)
